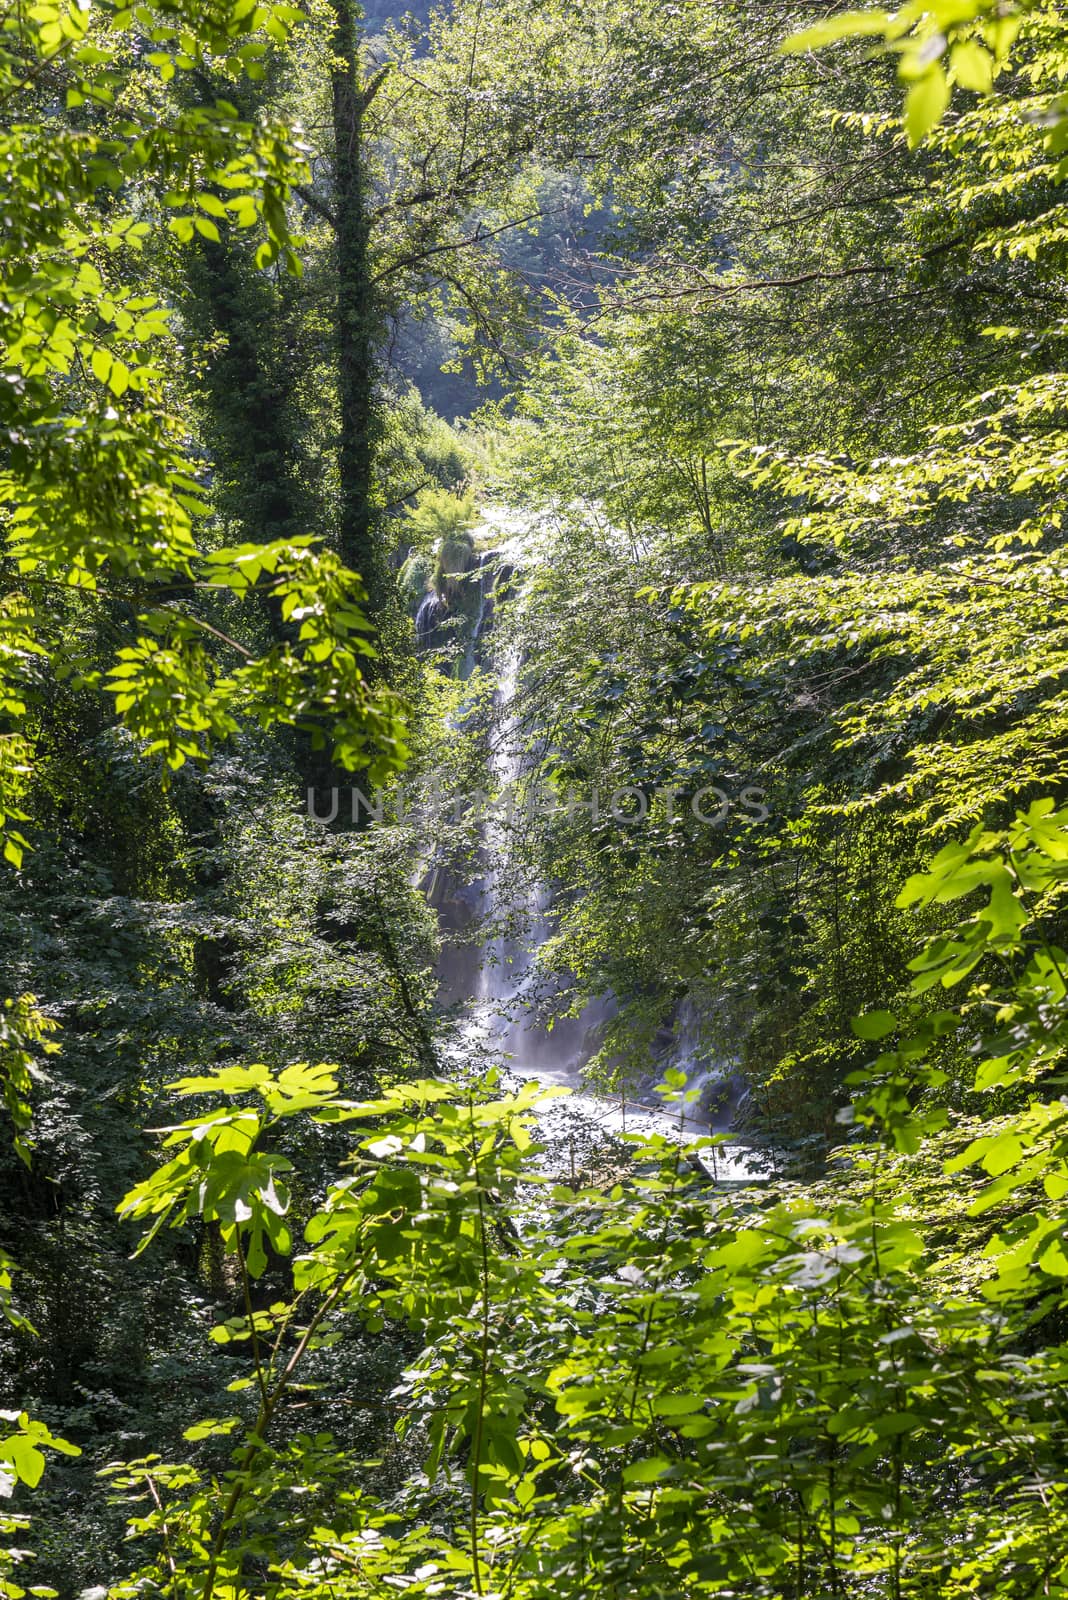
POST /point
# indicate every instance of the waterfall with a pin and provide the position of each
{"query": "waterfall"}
(498, 984)
(717, 1082)
(503, 1014)
(488, 575)
(432, 608)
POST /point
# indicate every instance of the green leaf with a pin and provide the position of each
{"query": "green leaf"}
(647, 1471)
(678, 1405)
(875, 1025)
(847, 25)
(925, 103)
(1003, 1153)
(26, 1459)
(972, 66)
(211, 1427)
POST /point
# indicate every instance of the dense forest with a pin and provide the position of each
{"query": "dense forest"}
(533, 800)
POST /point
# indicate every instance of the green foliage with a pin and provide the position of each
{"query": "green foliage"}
(670, 1384)
(416, 578)
(419, 449)
(22, 1460)
(236, 930)
(101, 494)
(857, 614)
(410, 1235)
(23, 1033)
(368, 1343)
(126, 627)
(439, 514)
(939, 47)
(23, 1450)
(442, 560)
(965, 525)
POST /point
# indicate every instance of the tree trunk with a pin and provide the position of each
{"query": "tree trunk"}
(359, 543)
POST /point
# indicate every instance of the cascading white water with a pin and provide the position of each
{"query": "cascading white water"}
(503, 1016)
(496, 984)
(497, 977)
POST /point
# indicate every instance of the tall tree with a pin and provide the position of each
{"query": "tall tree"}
(358, 315)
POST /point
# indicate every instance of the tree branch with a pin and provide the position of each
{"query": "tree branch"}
(479, 236)
(313, 202)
